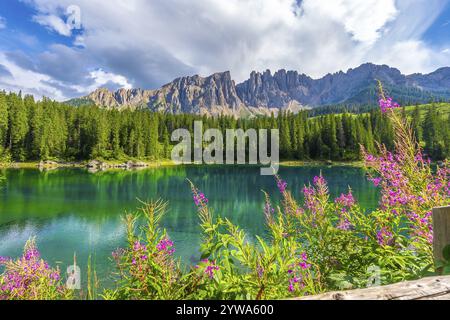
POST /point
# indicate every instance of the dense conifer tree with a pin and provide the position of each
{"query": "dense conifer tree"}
(31, 130)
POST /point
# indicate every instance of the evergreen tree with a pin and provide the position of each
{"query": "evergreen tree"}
(433, 134)
(415, 123)
(18, 126)
(32, 130)
(3, 122)
(153, 140)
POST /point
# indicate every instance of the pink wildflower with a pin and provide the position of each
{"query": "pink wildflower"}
(386, 103)
(166, 246)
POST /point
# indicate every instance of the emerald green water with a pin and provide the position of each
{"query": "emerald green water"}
(71, 210)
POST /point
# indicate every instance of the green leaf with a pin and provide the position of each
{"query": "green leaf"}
(446, 270)
(426, 270)
(205, 255)
(446, 252)
(439, 264)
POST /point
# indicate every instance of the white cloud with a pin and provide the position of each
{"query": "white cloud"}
(39, 84)
(54, 23)
(149, 43)
(27, 81)
(101, 77)
(409, 63)
(2, 23)
(364, 20)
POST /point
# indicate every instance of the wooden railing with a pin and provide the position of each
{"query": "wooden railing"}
(441, 230)
(430, 288)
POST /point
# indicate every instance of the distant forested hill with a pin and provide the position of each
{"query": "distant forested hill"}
(31, 130)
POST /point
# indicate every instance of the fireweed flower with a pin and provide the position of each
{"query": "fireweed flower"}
(319, 180)
(344, 224)
(421, 227)
(138, 254)
(295, 273)
(370, 158)
(311, 202)
(419, 158)
(386, 103)
(395, 187)
(295, 281)
(4, 260)
(384, 237)
(345, 200)
(313, 195)
(303, 263)
(28, 277)
(31, 254)
(321, 186)
(210, 267)
(166, 246)
(408, 189)
(200, 199)
(443, 177)
(376, 181)
(282, 185)
(139, 247)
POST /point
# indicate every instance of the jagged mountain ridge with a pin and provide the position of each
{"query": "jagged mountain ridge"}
(265, 92)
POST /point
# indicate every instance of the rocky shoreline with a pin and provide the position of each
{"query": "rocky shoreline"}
(92, 165)
(96, 165)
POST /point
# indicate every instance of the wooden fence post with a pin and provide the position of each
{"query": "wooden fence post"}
(441, 230)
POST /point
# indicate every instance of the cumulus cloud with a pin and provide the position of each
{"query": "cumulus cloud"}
(101, 78)
(363, 20)
(148, 43)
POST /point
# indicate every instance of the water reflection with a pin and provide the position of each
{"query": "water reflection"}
(72, 210)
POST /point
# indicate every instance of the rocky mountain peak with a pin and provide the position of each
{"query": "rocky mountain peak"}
(264, 92)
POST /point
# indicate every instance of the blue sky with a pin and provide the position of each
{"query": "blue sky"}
(19, 23)
(439, 32)
(67, 48)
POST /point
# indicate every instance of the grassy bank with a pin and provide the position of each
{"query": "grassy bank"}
(297, 163)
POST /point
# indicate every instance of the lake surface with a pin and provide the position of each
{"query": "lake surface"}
(72, 210)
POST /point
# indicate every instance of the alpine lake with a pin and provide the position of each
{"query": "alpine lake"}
(72, 211)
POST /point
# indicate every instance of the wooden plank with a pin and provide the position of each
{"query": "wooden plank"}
(431, 288)
(441, 230)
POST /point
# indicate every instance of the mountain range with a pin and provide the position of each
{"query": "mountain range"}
(264, 93)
